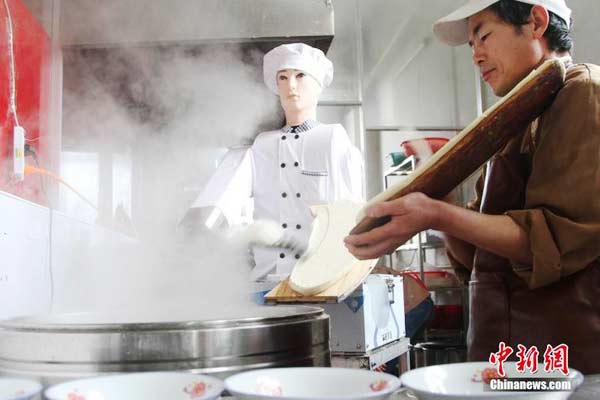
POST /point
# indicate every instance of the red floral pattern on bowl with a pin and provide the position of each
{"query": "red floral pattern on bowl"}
(268, 386)
(196, 390)
(378, 386)
(75, 396)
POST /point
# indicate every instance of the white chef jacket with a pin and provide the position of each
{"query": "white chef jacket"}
(286, 171)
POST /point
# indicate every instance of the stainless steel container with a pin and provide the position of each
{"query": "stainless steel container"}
(59, 347)
(438, 352)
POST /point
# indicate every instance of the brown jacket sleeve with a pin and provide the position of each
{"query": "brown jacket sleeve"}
(562, 206)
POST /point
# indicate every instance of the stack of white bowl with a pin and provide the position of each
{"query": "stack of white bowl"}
(309, 383)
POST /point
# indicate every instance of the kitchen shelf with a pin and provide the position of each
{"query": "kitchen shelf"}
(401, 169)
(417, 243)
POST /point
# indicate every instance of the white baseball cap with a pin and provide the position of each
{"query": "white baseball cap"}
(296, 56)
(452, 29)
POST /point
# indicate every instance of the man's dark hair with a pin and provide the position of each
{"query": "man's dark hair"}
(517, 14)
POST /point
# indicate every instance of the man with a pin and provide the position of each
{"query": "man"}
(290, 169)
(531, 239)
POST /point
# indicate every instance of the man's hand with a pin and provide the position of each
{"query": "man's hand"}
(415, 212)
(409, 214)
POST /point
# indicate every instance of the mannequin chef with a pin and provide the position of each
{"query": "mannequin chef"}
(290, 169)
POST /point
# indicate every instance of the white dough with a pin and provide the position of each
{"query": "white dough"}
(326, 260)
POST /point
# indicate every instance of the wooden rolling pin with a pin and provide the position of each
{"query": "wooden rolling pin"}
(478, 142)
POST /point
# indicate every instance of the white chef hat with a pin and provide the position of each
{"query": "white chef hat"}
(452, 29)
(296, 56)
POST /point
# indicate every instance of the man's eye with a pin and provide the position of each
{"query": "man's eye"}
(484, 37)
(301, 75)
(282, 77)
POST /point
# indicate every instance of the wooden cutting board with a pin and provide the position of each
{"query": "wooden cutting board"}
(282, 293)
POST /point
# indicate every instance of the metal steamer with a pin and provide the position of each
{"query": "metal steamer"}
(55, 348)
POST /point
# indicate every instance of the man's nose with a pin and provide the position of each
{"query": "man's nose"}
(478, 55)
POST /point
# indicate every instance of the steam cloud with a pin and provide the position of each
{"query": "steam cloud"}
(170, 111)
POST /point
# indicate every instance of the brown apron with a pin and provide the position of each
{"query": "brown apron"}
(503, 308)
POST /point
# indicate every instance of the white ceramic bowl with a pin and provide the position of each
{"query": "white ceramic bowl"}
(139, 386)
(19, 389)
(463, 381)
(312, 383)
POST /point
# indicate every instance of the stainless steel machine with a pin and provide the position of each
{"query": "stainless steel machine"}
(368, 327)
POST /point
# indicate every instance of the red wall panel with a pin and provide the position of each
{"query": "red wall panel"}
(32, 58)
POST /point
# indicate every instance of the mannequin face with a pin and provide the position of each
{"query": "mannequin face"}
(298, 91)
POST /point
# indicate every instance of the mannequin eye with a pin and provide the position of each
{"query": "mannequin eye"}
(282, 77)
(300, 75)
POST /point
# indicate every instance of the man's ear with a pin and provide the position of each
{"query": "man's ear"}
(540, 18)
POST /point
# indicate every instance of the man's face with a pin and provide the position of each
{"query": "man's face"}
(298, 91)
(503, 55)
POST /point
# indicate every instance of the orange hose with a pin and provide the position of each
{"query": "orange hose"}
(29, 170)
